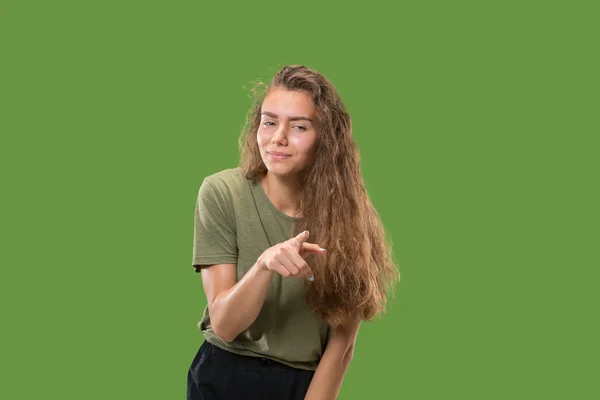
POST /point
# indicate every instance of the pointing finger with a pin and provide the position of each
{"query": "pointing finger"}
(311, 248)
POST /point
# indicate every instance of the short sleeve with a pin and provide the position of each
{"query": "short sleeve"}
(215, 239)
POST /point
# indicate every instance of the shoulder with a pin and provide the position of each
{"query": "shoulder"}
(229, 185)
(230, 178)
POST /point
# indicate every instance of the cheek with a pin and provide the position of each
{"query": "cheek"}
(304, 145)
(261, 138)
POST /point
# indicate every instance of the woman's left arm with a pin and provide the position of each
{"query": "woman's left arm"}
(327, 380)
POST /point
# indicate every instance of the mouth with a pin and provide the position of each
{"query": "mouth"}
(278, 154)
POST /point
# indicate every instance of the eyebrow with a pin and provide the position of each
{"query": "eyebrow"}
(300, 118)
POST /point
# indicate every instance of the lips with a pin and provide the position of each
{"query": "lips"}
(276, 153)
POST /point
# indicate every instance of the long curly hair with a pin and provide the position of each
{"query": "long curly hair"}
(358, 272)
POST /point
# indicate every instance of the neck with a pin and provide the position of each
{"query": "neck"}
(283, 193)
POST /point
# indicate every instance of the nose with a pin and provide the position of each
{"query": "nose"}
(280, 135)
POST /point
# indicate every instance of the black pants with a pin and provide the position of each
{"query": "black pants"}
(217, 374)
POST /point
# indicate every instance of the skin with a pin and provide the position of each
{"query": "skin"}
(279, 131)
(233, 306)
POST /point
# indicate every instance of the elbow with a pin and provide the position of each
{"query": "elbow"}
(219, 326)
(222, 333)
(228, 339)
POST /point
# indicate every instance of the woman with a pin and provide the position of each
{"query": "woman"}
(292, 254)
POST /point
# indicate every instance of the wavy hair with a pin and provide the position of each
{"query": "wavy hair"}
(355, 277)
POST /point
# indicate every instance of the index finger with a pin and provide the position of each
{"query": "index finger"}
(311, 248)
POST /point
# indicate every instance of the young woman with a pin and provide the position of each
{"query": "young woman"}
(292, 254)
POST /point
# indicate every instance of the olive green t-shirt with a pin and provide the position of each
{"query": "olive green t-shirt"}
(235, 222)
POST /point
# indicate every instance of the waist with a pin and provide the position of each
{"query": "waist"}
(250, 362)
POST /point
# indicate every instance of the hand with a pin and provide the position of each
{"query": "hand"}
(287, 258)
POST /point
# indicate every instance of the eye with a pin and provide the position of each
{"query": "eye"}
(268, 122)
(301, 127)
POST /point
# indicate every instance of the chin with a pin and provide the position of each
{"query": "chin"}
(279, 169)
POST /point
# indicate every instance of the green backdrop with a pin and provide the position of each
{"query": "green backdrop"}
(477, 125)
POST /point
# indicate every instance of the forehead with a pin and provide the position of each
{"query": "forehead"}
(288, 103)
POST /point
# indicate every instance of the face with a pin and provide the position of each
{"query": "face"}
(286, 135)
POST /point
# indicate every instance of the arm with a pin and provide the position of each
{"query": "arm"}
(327, 381)
(232, 306)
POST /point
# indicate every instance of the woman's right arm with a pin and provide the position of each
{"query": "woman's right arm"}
(232, 306)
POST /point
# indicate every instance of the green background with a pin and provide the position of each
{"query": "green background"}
(477, 124)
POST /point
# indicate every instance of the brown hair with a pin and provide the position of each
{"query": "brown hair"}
(353, 279)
